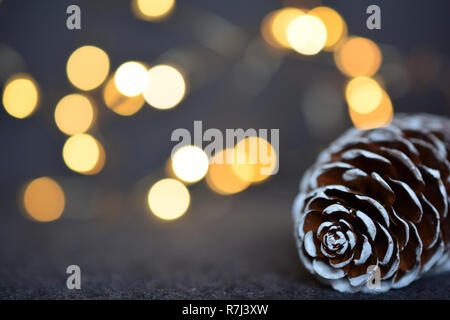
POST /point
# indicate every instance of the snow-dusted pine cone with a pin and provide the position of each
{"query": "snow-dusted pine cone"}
(377, 198)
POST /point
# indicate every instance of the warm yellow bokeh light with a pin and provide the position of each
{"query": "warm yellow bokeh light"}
(358, 57)
(100, 161)
(44, 199)
(307, 34)
(119, 103)
(266, 30)
(166, 87)
(363, 94)
(131, 78)
(334, 23)
(74, 114)
(254, 159)
(153, 10)
(87, 67)
(83, 153)
(275, 24)
(20, 96)
(221, 177)
(190, 163)
(379, 117)
(168, 199)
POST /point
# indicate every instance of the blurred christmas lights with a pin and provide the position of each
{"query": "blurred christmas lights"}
(307, 34)
(379, 117)
(131, 78)
(152, 10)
(255, 159)
(358, 57)
(84, 154)
(74, 114)
(275, 24)
(168, 199)
(165, 87)
(190, 163)
(44, 199)
(363, 94)
(87, 67)
(120, 103)
(221, 177)
(20, 96)
(334, 23)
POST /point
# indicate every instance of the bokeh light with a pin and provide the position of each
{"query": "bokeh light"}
(307, 34)
(119, 103)
(190, 163)
(44, 199)
(358, 57)
(131, 78)
(20, 96)
(380, 116)
(334, 23)
(254, 159)
(363, 94)
(87, 67)
(275, 24)
(100, 160)
(153, 10)
(165, 88)
(74, 114)
(168, 199)
(221, 177)
(83, 153)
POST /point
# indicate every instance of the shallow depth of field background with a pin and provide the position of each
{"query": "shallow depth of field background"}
(85, 136)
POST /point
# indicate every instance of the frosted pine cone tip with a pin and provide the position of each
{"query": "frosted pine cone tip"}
(377, 201)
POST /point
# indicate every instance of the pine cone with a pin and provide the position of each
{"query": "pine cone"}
(377, 200)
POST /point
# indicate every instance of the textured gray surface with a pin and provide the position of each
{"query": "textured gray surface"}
(224, 248)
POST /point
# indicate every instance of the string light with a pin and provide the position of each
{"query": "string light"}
(74, 114)
(83, 153)
(165, 88)
(100, 160)
(380, 116)
(119, 103)
(87, 67)
(44, 199)
(131, 78)
(190, 163)
(275, 24)
(307, 34)
(221, 177)
(20, 96)
(363, 94)
(358, 57)
(254, 159)
(334, 23)
(168, 199)
(153, 10)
